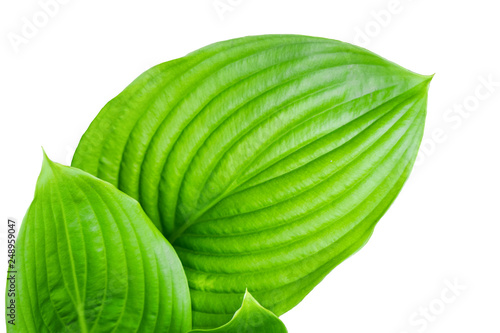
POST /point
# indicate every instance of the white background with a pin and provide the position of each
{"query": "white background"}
(444, 226)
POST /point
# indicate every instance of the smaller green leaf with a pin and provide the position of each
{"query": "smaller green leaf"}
(88, 259)
(250, 318)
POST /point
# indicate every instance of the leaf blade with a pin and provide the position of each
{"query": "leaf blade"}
(91, 260)
(272, 151)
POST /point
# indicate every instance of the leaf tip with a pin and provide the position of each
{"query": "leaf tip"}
(48, 168)
(428, 79)
(46, 173)
(248, 297)
(47, 162)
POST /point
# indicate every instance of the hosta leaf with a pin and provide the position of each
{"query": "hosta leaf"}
(250, 318)
(266, 161)
(90, 260)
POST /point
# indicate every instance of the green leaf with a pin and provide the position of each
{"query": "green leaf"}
(90, 260)
(251, 318)
(266, 161)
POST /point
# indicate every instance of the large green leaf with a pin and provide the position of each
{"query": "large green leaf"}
(250, 318)
(90, 260)
(266, 161)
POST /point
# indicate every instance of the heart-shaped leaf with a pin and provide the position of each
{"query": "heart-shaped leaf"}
(250, 318)
(266, 161)
(90, 260)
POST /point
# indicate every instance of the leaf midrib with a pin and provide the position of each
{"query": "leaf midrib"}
(403, 136)
(176, 234)
(80, 311)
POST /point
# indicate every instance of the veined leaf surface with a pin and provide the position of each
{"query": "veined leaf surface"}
(266, 160)
(90, 260)
(250, 318)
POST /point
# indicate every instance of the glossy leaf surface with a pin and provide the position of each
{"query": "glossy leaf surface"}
(266, 161)
(90, 260)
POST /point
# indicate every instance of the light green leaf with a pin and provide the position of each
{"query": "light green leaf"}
(251, 318)
(266, 161)
(90, 260)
